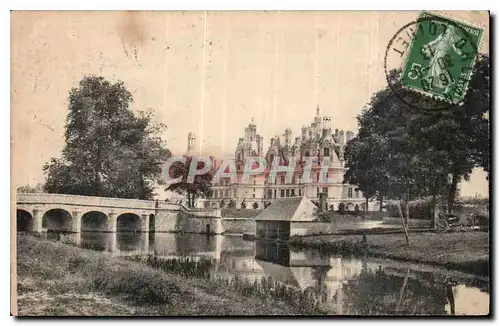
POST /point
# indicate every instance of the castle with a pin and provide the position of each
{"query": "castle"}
(316, 140)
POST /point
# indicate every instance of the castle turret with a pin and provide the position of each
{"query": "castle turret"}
(191, 143)
(288, 137)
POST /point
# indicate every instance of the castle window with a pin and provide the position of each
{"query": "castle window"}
(254, 182)
(227, 193)
(282, 180)
(215, 194)
(292, 193)
(274, 193)
(234, 192)
(325, 190)
(326, 152)
(317, 191)
(282, 193)
(300, 192)
(317, 176)
(253, 196)
(269, 193)
(349, 192)
(288, 192)
(356, 193)
(239, 157)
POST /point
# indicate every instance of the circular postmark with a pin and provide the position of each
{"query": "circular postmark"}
(428, 62)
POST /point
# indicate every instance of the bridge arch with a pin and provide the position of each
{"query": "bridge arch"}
(24, 220)
(128, 222)
(94, 221)
(57, 219)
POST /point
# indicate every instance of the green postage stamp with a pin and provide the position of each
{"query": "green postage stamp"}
(441, 57)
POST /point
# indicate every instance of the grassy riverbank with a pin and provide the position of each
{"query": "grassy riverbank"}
(58, 279)
(465, 251)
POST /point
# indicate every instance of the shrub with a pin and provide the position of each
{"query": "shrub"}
(421, 208)
(341, 208)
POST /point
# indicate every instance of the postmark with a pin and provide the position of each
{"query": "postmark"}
(434, 56)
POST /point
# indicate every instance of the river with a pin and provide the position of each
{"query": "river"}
(342, 285)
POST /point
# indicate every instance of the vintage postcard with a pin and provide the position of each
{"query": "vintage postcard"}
(192, 163)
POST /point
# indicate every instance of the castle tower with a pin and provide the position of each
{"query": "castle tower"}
(317, 118)
(317, 125)
(191, 143)
(288, 137)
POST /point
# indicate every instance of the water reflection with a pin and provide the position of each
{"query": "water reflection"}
(340, 285)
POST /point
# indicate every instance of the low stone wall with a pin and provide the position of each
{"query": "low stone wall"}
(189, 221)
(413, 223)
(199, 222)
(167, 221)
(240, 213)
(309, 228)
(238, 225)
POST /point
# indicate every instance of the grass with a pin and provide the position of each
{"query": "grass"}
(57, 279)
(264, 288)
(465, 251)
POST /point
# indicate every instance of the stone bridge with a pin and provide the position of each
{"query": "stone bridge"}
(71, 213)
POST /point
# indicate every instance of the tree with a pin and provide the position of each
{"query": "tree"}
(255, 205)
(243, 204)
(200, 187)
(401, 152)
(109, 150)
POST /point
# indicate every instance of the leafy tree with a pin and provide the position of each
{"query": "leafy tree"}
(109, 150)
(401, 151)
(200, 187)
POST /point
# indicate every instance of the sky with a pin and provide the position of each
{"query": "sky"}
(205, 72)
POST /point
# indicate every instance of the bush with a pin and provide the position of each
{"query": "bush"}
(341, 208)
(420, 209)
(255, 205)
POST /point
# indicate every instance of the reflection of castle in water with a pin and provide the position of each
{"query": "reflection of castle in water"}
(335, 281)
(307, 271)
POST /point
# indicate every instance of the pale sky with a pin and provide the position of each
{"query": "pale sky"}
(272, 66)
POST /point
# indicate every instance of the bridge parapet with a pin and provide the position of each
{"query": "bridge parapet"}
(44, 198)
